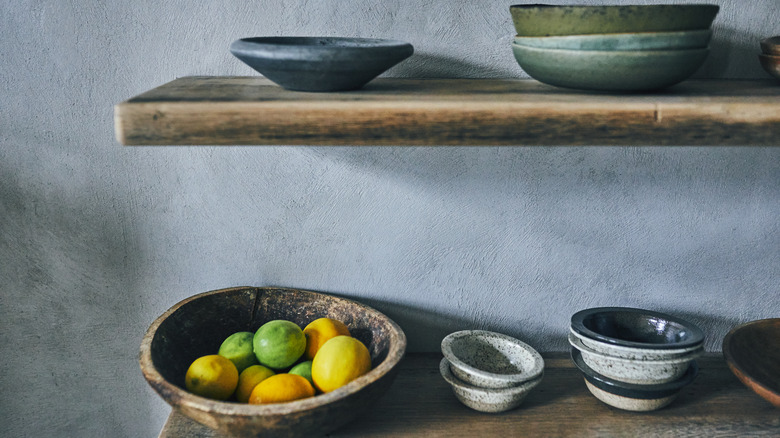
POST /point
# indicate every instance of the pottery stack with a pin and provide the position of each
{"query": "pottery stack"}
(488, 371)
(634, 359)
(612, 48)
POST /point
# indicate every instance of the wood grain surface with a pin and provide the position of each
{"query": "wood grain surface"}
(421, 404)
(254, 111)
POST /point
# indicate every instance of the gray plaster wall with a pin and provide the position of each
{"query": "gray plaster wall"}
(97, 240)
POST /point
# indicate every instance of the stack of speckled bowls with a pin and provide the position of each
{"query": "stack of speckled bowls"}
(634, 359)
(612, 48)
(488, 371)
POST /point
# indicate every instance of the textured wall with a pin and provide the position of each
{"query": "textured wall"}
(96, 240)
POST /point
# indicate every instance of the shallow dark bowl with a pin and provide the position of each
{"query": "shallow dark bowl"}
(752, 351)
(632, 397)
(636, 328)
(197, 325)
(771, 46)
(543, 20)
(320, 63)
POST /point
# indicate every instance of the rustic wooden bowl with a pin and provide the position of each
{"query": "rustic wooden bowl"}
(197, 325)
(752, 351)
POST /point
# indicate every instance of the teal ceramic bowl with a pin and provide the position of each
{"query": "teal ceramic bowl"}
(690, 39)
(609, 70)
(546, 20)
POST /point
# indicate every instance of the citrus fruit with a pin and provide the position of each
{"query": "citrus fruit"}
(281, 388)
(338, 362)
(279, 343)
(212, 376)
(320, 331)
(249, 378)
(238, 348)
(303, 369)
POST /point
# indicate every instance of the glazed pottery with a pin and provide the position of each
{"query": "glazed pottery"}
(634, 353)
(692, 39)
(771, 64)
(771, 46)
(609, 70)
(491, 360)
(641, 372)
(636, 328)
(197, 325)
(630, 397)
(752, 351)
(320, 63)
(491, 400)
(546, 20)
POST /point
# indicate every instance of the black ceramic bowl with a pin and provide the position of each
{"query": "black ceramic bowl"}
(629, 396)
(320, 63)
(636, 328)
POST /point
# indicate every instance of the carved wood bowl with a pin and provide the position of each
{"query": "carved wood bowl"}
(197, 325)
(752, 351)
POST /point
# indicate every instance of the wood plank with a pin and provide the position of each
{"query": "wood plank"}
(421, 404)
(251, 110)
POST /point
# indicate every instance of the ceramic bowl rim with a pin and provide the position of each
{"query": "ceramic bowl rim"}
(677, 352)
(633, 390)
(576, 343)
(278, 47)
(543, 6)
(447, 374)
(736, 367)
(578, 319)
(615, 53)
(188, 400)
(536, 369)
(596, 36)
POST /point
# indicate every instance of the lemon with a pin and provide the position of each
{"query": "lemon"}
(212, 376)
(320, 331)
(249, 378)
(238, 348)
(303, 369)
(339, 361)
(281, 388)
(279, 343)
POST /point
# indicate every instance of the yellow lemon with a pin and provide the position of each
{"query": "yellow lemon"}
(249, 378)
(339, 361)
(320, 331)
(212, 376)
(281, 388)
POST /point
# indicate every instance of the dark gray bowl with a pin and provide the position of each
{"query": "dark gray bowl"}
(636, 328)
(320, 63)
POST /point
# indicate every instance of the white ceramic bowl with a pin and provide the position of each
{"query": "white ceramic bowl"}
(692, 39)
(487, 399)
(491, 360)
(634, 353)
(641, 372)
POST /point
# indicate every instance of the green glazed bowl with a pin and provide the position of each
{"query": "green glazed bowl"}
(690, 39)
(609, 70)
(547, 20)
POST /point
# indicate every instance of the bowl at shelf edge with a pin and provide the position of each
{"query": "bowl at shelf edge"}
(752, 352)
(197, 325)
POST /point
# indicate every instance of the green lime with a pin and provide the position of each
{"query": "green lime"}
(238, 348)
(279, 343)
(303, 369)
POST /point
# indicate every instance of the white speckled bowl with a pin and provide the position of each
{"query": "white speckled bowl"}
(641, 372)
(634, 353)
(487, 399)
(491, 360)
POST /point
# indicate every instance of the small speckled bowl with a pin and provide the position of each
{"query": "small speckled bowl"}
(634, 353)
(487, 399)
(629, 397)
(491, 360)
(640, 372)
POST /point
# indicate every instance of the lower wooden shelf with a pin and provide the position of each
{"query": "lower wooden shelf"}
(421, 404)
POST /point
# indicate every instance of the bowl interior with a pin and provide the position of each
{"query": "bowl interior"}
(752, 351)
(636, 327)
(492, 353)
(323, 42)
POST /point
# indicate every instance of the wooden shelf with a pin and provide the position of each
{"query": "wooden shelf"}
(252, 110)
(421, 404)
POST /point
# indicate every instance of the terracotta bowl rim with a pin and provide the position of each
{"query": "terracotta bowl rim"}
(186, 399)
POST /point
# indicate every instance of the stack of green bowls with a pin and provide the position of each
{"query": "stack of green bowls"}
(612, 48)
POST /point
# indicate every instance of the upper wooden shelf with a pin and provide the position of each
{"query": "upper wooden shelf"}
(252, 110)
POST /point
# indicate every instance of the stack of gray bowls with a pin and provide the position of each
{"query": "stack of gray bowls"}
(634, 359)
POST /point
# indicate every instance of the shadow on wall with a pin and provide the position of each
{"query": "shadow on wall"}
(428, 65)
(733, 54)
